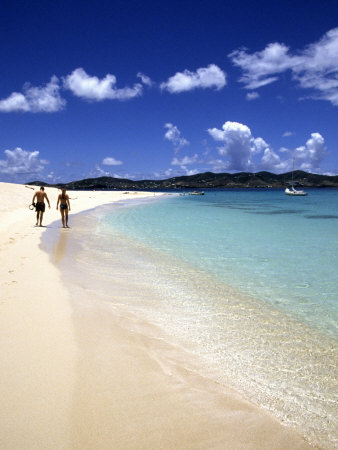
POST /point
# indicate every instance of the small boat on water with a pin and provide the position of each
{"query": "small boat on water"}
(196, 193)
(293, 191)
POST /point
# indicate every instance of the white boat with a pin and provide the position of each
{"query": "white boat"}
(196, 193)
(293, 191)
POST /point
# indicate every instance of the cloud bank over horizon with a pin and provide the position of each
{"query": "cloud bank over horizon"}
(238, 151)
(20, 163)
(240, 147)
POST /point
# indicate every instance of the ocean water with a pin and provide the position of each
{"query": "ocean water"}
(280, 249)
(245, 280)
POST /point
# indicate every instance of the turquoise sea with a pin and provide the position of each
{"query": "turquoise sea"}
(246, 280)
(280, 249)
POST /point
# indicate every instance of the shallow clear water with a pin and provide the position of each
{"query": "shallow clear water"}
(244, 280)
(280, 249)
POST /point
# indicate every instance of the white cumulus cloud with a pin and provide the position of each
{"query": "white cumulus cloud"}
(174, 135)
(218, 165)
(242, 151)
(98, 172)
(92, 88)
(288, 133)
(309, 156)
(260, 68)
(252, 95)
(189, 171)
(14, 103)
(35, 99)
(186, 160)
(315, 67)
(167, 173)
(110, 161)
(239, 145)
(258, 145)
(271, 161)
(204, 77)
(21, 162)
(145, 79)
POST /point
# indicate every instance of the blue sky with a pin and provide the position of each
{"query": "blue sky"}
(159, 89)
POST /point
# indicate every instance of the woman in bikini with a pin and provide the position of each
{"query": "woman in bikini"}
(63, 199)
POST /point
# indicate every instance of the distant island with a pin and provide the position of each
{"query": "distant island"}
(203, 181)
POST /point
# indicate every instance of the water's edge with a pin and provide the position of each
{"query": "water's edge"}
(249, 328)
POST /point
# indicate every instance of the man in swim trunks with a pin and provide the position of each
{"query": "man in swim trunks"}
(40, 206)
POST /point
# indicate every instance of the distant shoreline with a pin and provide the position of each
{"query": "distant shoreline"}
(190, 189)
(207, 180)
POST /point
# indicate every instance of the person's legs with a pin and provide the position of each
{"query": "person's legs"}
(66, 212)
(41, 216)
(63, 217)
(37, 218)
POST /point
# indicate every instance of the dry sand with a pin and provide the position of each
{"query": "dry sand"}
(76, 378)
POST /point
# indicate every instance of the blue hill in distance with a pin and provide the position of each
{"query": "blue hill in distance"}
(203, 181)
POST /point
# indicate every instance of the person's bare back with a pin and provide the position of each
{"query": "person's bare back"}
(40, 197)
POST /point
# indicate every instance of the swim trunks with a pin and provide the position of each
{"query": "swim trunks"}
(63, 206)
(40, 206)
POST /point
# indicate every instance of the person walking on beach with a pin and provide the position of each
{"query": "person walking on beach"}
(63, 199)
(40, 206)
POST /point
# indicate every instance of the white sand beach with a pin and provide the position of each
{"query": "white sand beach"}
(76, 378)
